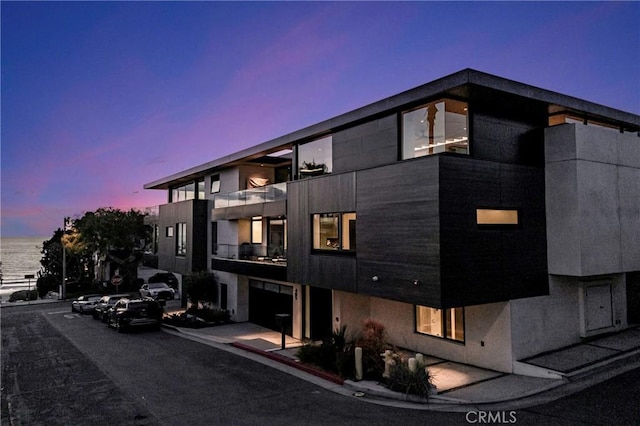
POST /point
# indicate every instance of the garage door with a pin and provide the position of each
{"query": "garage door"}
(266, 300)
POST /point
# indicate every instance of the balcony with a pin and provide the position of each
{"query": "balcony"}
(276, 255)
(264, 194)
(251, 259)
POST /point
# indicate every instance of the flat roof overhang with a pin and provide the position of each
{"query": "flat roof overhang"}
(458, 85)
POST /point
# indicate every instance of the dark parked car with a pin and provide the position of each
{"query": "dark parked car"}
(85, 304)
(127, 313)
(103, 305)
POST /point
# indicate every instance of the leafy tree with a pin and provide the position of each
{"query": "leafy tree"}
(201, 287)
(51, 260)
(110, 235)
(107, 235)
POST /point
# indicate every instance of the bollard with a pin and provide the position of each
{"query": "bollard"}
(413, 365)
(282, 320)
(358, 363)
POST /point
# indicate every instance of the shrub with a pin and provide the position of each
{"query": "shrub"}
(373, 343)
(209, 314)
(198, 318)
(201, 287)
(335, 354)
(402, 379)
(47, 283)
(23, 295)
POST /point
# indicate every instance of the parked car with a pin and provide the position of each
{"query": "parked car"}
(165, 277)
(103, 305)
(85, 304)
(127, 313)
(157, 291)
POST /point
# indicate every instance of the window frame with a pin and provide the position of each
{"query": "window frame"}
(181, 239)
(445, 324)
(342, 234)
(498, 225)
(215, 183)
(467, 127)
(327, 164)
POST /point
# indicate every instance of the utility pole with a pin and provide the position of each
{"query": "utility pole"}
(63, 287)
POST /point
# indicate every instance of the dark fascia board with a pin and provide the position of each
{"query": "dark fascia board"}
(423, 93)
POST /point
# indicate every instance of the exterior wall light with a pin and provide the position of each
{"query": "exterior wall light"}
(416, 282)
(374, 278)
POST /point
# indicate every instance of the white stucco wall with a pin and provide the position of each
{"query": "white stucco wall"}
(545, 323)
(487, 330)
(237, 295)
(592, 177)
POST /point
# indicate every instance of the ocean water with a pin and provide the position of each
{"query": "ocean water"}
(20, 256)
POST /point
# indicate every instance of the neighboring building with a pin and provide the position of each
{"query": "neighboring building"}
(479, 219)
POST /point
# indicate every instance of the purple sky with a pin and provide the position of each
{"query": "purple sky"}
(99, 98)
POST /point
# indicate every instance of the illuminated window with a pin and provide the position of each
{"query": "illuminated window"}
(169, 231)
(181, 239)
(437, 127)
(256, 229)
(334, 231)
(444, 323)
(497, 217)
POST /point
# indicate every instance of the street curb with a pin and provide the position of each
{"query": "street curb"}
(291, 363)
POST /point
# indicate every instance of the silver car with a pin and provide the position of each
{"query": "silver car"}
(157, 291)
(86, 303)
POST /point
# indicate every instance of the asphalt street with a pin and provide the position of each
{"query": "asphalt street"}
(60, 368)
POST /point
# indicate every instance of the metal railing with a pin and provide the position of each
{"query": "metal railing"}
(263, 194)
(251, 252)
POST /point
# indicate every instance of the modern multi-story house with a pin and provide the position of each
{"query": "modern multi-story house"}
(479, 219)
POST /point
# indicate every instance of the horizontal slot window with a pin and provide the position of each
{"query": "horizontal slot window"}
(497, 217)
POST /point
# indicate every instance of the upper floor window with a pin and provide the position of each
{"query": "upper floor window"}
(183, 193)
(200, 188)
(334, 231)
(439, 126)
(215, 183)
(497, 217)
(314, 158)
(181, 239)
(190, 191)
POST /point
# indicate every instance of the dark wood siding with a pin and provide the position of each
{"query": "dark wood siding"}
(371, 144)
(398, 232)
(194, 214)
(489, 265)
(504, 128)
(326, 194)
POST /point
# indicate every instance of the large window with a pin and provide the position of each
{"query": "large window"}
(190, 191)
(437, 127)
(444, 323)
(181, 239)
(334, 231)
(314, 158)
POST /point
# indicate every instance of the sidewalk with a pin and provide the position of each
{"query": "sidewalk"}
(459, 386)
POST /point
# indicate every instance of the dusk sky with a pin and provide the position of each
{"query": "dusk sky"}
(99, 98)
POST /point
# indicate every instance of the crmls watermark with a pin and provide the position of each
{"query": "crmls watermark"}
(491, 417)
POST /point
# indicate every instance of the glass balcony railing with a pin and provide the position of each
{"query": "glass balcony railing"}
(263, 194)
(251, 252)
